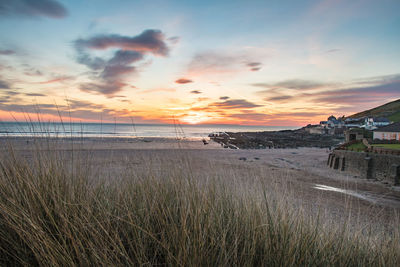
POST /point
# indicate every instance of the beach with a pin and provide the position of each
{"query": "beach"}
(302, 173)
(136, 201)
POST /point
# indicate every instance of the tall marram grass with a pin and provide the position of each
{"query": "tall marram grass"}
(60, 212)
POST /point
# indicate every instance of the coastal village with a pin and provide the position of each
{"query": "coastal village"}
(366, 144)
(334, 126)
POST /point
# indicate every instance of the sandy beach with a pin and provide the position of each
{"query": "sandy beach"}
(147, 193)
(308, 182)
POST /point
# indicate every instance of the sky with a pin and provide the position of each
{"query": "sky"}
(273, 63)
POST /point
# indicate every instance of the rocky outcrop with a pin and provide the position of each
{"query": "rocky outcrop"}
(275, 139)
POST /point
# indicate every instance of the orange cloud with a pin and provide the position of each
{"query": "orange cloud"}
(60, 79)
(183, 81)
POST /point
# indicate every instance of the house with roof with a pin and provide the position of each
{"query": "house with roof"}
(354, 122)
(315, 129)
(372, 123)
(354, 134)
(389, 132)
(332, 126)
(335, 123)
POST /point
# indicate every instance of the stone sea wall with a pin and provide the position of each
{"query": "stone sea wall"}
(380, 167)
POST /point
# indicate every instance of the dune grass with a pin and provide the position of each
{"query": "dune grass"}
(57, 209)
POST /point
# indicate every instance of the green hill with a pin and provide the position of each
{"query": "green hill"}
(389, 110)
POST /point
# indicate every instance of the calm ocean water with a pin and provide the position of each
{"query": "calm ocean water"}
(124, 130)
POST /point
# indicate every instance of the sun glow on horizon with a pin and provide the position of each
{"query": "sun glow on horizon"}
(194, 118)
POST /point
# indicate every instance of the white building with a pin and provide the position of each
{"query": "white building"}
(389, 132)
(372, 123)
(354, 122)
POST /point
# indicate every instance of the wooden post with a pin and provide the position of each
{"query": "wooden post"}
(342, 163)
(336, 163)
(332, 161)
(329, 159)
(395, 174)
(368, 167)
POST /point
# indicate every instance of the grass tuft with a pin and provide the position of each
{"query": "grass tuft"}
(56, 209)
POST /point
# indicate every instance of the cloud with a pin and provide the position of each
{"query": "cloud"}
(108, 88)
(77, 104)
(224, 97)
(33, 8)
(377, 80)
(72, 108)
(333, 50)
(33, 73)
(109, 73)
(365, 92)
(93, 63)
(295, 84)
(249, 116)
(149, 41)
(4, 85)
(217, 64)
(56, 80)
(125, 57)
(7, 52)
(298, 114)
(54, 110)
(112, 73)
(255, 69)
(183, 81)
(286, 118)
(279, 98)
(254, 66)
(34, 94)
(235, 104)
(10, 93)
(159, 90)
(195, 92)
(361, 95)
(174, 39)
(119, 64)
(213, 62)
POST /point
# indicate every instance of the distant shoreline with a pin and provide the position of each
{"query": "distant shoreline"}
(100, 130)
(150, 124)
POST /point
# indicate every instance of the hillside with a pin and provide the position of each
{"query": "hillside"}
(389, 110)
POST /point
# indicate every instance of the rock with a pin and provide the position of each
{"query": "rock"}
(232, 146)
(275, 139)
(243, 158)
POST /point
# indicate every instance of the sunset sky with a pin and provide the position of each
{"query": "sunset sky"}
(235, 62)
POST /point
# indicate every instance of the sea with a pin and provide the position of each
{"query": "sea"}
(124, 130)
